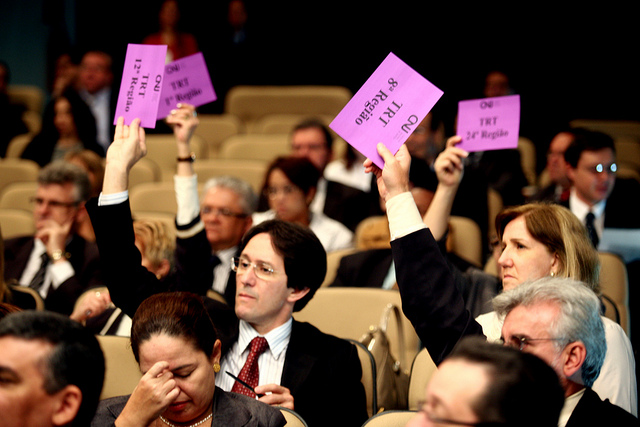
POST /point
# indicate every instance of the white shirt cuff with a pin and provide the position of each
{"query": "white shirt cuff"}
(186, 198)
(113, 199)
(403, 214)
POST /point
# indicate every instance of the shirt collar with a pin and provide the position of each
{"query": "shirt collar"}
(277, 338)
(581, 209)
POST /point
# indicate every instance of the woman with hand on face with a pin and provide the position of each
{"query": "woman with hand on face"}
(537, 240)
(175, 343)
(289, 187)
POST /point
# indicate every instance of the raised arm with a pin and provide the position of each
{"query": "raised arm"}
(430, 298)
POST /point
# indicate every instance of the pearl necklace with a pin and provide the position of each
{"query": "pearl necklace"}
(192, 425)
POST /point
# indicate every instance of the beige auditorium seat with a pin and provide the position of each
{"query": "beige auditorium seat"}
(161, 149)
(368, 364)
(284, 123)
(251, 171)
(18, 195)
(349, 312)
(122, 371)
(250, 103)
(614, 285)
(30, 96)
(17, 145)
(613, 128)
(153, 197)
(333, 262)
(145, 170)
(255, 147)
(293, 418)
(16, 222)
(373, 233)
(215, 128)
(465, 239)
(421, 371)
(395, 418)
(17, 170)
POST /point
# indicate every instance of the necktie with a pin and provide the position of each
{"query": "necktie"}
(249, 372)
(38, 279)
(591, 229)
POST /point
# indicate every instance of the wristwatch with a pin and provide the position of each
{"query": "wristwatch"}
(59, 254)
(191, 158)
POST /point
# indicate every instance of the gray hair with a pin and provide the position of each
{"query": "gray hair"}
(248, 198)
(579, 318)
(61, 172)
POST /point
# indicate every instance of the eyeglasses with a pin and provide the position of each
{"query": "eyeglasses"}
(610, 169)
(272, 192)
(520, 342)
(39, 201)
(222, 212)
(262, 270)
(309, 147)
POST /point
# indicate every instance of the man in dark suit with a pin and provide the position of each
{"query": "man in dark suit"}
(279, 269)
(56, 261)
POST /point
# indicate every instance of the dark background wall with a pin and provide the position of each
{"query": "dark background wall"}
(574, 63)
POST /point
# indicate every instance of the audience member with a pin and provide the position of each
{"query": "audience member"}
(427, 140)
(64, 75)
(67, 126)
(176, 345)
(11, 121)
(156, 242)
(289, 187)
(179, 44)
(537, 241)
(488, 384)
(95, 86)
(291, 264)
(56, 261)
(558, 320)
(558, 187)
(92, 164)
(344, 203)
(595, 190)
(52, 371)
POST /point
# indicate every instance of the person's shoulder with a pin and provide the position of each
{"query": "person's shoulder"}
(591, 404)
(235, 404)
(320, 341)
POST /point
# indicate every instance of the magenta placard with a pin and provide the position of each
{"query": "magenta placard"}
(186, 80)
(141, 84)
(489, 123)
(387, 108)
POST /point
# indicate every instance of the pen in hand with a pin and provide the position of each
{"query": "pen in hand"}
(244, 384)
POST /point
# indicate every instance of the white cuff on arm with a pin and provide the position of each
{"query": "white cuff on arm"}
(113, 199)
(186, 198)
(403, 214)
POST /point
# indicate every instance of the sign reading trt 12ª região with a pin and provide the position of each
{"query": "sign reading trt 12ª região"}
(387, 108)
(141, 84)
(489, 123)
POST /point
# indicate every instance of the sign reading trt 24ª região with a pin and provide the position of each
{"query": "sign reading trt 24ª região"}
(387, 108)
(489, 123)
(141, 84)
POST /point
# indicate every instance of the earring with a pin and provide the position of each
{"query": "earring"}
(553, 274)
(216, 367)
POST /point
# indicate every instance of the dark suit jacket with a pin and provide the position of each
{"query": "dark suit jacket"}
(592, 411)
(229, 409)
(84, 259)
(320, 370)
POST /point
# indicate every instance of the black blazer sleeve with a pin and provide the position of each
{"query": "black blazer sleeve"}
(430, 297)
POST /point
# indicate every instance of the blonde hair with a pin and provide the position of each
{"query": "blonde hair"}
(562, 233)
(157, 238)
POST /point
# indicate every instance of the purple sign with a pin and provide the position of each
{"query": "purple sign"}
(387, 108)
(185, 80)
(141, 84)
(489, 123)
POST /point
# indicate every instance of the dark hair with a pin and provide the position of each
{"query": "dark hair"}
(586, 140)
(177, 314)
(305, 260)
(523, 390)
(299, 170)
(76, 357)
(316, 124)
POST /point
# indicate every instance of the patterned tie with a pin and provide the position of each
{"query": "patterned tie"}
(249, 372)
(38, 279)
(591, 229)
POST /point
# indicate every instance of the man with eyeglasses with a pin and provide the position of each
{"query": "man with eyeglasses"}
(279, 267)
(56, 262)
(485, 384)
(598, 198)
(558, 320)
